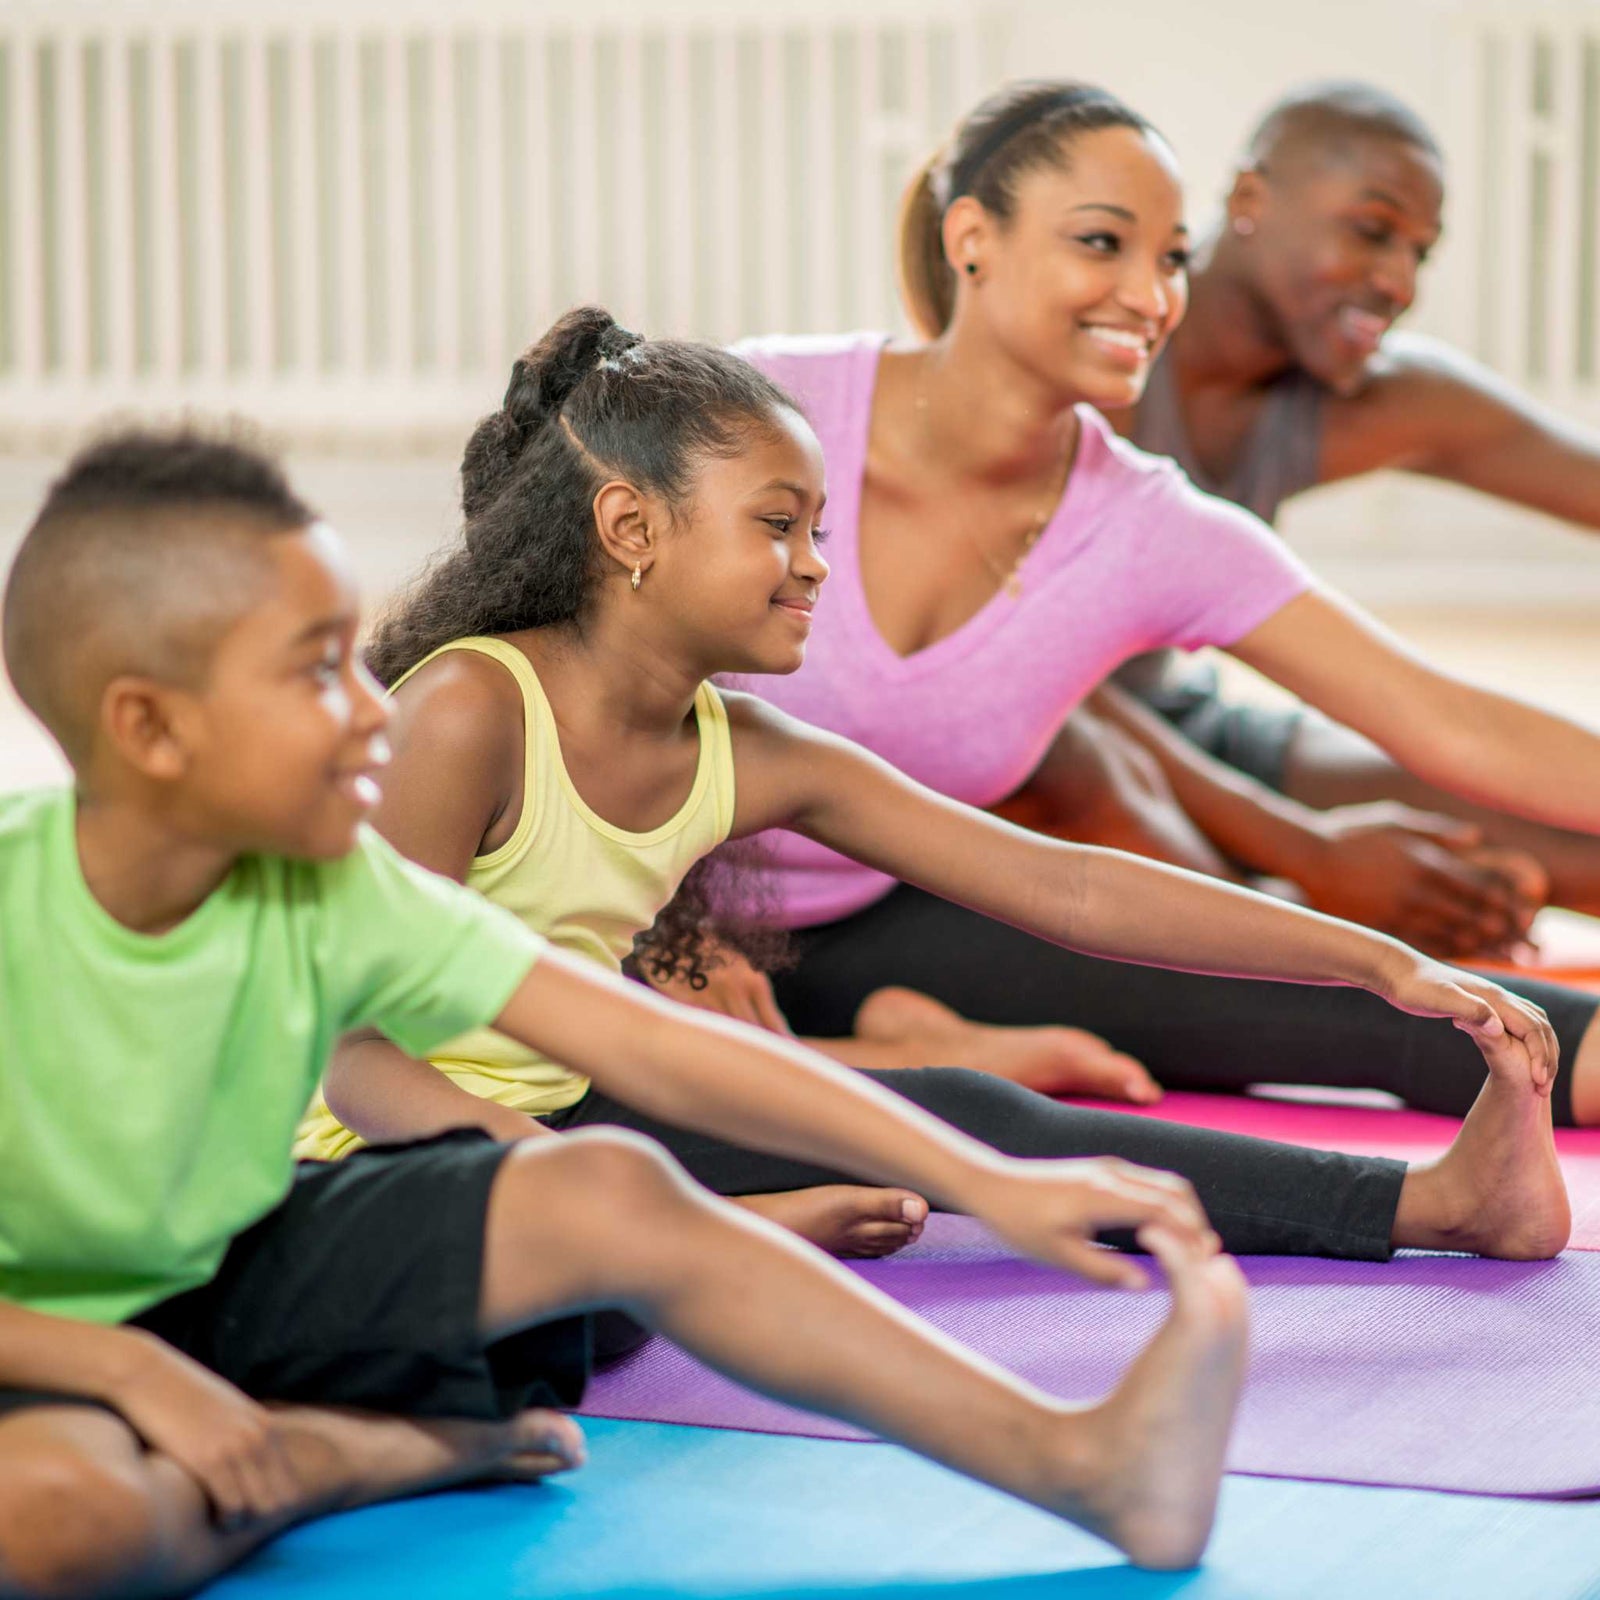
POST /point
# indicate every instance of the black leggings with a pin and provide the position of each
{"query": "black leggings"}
(1262, 1198)
(1191, 1032)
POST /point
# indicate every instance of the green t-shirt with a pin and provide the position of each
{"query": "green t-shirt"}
(150, 1086)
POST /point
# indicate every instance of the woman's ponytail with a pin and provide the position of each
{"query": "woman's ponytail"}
(927, 280)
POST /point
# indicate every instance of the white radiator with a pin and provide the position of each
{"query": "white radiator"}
(1525, 194)
(347, 218)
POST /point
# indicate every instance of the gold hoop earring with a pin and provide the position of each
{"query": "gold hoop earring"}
(637, 576)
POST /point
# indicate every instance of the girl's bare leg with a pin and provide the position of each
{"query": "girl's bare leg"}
(603, 1218)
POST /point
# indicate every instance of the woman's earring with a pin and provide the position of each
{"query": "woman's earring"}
(1244, 227)
(637, 577)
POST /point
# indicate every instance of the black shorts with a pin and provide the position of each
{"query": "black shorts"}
(362, 1289)
(1253, 739)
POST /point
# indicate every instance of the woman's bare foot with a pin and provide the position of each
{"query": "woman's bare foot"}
(1142, 1468)
(350, 1458)
(1052, 1060)
(845, 1220)
(1498, 1190)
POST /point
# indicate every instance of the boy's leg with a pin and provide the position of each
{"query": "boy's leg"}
(604, 1218)
(86, 1510)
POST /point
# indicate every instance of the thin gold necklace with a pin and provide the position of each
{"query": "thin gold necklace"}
(1010, 578)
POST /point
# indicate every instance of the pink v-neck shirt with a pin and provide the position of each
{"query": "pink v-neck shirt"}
(1134, 558)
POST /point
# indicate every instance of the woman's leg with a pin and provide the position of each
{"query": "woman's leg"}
(1191, 1032)
(1329, 765)
(605, 1219)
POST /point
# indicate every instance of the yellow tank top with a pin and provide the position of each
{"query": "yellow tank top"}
(587, 886)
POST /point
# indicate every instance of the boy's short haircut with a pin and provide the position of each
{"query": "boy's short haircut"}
(148, 547)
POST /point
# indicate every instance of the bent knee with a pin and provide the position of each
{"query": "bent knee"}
(70, 1526)
(612, 1165)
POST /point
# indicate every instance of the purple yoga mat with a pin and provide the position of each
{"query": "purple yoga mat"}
(1427, 1372)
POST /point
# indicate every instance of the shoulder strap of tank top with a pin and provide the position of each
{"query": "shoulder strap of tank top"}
(716, 738)
(535, 717)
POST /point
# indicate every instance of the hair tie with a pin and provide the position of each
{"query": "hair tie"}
(966, 171)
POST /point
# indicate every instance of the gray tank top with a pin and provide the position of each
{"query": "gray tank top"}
(1280, 457)
(1280, 454)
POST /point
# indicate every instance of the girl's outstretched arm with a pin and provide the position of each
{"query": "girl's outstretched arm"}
(1098, 901)
(1486, 747)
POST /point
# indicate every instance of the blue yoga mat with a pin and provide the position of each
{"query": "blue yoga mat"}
(667, 1513)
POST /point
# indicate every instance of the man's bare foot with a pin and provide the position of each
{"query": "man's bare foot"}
(350, 1458)
(1052, 1060)
(1498, 1190)
(845, 1220)
(1142, 1469)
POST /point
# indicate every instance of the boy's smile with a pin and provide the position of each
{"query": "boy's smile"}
(286, 739)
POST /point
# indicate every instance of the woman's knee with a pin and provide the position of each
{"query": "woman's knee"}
(73, 1526)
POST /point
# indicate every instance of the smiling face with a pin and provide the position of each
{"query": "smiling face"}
(283, 741)
(741, 571)
(1085, 280)
(1338, 238)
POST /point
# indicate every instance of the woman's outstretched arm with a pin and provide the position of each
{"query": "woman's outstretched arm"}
(1484, 746)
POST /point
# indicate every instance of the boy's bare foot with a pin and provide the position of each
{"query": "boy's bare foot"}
(1142, 1469)
(845, 1220)
(352, 1458)
(1498, 1190)
(1052, 1060)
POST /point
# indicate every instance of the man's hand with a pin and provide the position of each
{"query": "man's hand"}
(1405, 873)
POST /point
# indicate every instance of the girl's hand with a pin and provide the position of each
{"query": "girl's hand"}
(1404, 872)
(734, 988)
(1514, 1034)
(225, 1441)
(1052, 1210)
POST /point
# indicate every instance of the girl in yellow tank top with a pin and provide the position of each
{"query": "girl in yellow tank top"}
(588, 886)
(640, 517)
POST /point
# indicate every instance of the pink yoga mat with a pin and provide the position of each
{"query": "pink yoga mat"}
(1431, 1372)
(1381, 1131)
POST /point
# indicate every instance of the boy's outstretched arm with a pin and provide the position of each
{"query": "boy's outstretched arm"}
(751, 1088)
(1098, 901)
(227, 1442)
(388, 1097)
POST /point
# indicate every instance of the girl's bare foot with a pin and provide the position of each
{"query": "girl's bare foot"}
(845, 1220)
(1052, 1060)
(1142, 1469)
(1498, 1190)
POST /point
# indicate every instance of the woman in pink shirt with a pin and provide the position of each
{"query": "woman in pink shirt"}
(997, 551)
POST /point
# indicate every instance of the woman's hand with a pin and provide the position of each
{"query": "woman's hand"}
(1403, 871)
(1514, 1034)
(230, 1445)
(735, 989)
(1052, 1210)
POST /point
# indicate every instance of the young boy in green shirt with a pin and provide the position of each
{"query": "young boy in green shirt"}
(199, 1346)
